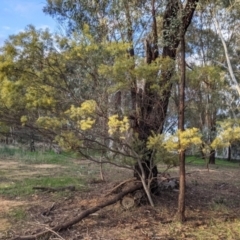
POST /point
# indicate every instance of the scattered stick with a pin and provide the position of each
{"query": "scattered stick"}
(50, 230)
(84, 214)
(47, 212)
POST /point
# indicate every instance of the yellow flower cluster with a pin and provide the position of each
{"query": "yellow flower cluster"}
(49, 122)
(155, 141)
(87, 108)
(188, 137)
(24, 119)
(39, 97)
(86, 124)
(226, 137)
(179, 141)
(117, 126)
(83, 114)
(68, 140)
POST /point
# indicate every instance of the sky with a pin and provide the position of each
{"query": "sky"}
(15, 15)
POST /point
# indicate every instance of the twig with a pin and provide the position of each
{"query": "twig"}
(47, 212)
(50, 230)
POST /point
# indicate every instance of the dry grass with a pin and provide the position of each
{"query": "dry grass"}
(212, 198)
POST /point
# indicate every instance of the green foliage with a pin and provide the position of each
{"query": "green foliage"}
(62, 86)
(7, 152)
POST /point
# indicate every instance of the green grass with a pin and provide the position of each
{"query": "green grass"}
(38, 157)
(218, 162)
(25, 187)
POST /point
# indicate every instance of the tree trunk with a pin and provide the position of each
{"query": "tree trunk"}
(182, 186)
(151, 107)
(212, 157)
(229, 158)
(182, 175)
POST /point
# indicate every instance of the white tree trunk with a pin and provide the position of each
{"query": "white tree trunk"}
(233, 78)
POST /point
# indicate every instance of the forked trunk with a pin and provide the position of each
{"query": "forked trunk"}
(149, 106)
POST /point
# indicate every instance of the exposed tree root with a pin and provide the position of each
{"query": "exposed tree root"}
(47, 233)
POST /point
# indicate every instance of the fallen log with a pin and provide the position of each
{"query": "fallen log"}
(47, 233)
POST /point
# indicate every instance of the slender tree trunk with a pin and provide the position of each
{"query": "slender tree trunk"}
(212, 157)
(182, 175)
(229, 153)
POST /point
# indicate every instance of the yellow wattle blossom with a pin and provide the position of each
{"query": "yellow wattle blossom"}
(115, 125)
(182, 140)
(86, 124)
(227, 136)
(155, 141)
(68, 140)
(50, 122)
(188, 137)
(83, 114)
(24, 119)
(88, 107)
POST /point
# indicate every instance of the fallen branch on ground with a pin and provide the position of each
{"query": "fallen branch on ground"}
(82, 215)
(116, 188)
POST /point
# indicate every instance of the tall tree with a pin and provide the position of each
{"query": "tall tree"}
(149, 104)
(67, 82)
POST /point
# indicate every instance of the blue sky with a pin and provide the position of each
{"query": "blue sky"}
(15, 15)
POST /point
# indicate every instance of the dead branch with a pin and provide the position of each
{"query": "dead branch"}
(47, 212)
(84, 214)
(49, 229)
(114, 190)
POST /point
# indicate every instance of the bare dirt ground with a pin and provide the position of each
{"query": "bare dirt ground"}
(212, 200)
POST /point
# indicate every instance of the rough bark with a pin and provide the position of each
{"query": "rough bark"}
(151, 107)
(229, 158)
(182, 174)
(212, 157)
